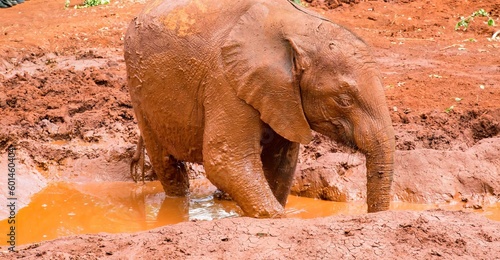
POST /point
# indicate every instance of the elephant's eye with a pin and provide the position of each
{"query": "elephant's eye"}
(344, 100)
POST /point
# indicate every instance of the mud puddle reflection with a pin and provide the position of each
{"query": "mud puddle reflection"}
(64, 209)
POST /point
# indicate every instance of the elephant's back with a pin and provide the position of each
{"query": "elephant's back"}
(172, 52)
(169, 51)
(181, 38)
(187, 29)
(189, 24)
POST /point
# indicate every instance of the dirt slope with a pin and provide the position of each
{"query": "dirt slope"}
(386, 235)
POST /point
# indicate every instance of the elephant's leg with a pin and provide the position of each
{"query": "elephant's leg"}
(279, 159)
(171, 172)
(174, 177)
(231, 156)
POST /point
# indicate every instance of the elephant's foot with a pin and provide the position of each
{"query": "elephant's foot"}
(247, 187)
(172, 189)
(175, 188)
(278, 212)
(251, 193)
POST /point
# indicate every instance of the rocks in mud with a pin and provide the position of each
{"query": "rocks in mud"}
(51, 128)
(91, 137)
(5, 141)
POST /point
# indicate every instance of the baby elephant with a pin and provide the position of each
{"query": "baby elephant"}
(238, 85)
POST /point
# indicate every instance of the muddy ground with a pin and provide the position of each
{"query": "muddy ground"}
(388, 235)
(65, 107)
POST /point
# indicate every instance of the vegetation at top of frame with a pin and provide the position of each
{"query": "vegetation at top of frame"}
(465, 21)
(297, 2)
(89, 3)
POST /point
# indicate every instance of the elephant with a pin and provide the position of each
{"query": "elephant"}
(238, 86)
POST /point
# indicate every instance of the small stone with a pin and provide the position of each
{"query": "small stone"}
(51, 127)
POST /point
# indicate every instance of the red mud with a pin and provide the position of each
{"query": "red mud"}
(65, 106)
(387, 235)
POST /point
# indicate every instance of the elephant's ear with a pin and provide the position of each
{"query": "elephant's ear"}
(264, 67)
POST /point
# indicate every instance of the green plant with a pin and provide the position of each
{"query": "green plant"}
(465, 21)
(297, 2)
(89, 3)
(450, 109)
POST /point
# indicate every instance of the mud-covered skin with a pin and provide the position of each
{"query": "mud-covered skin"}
(238, 86)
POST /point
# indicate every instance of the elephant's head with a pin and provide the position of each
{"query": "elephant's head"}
(304, 73)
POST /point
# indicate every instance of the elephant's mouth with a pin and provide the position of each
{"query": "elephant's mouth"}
(343, 132)
(340, 131)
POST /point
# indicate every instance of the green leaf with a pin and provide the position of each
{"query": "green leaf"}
(482, 12)
(89, 3)
(461, 23)
(448, 110)
(491, 22)
(465, 22)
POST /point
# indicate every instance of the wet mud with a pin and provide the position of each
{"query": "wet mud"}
(66, 208)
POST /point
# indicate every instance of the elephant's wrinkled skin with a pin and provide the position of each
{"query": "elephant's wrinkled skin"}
(237, 85)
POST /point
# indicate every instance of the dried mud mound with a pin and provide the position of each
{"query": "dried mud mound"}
(384, 235)
(326, 172)
(65, 98)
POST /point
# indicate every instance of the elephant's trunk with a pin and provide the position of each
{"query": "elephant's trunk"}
(378, 144)
(379, 181)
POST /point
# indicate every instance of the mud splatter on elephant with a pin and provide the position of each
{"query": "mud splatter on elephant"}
(239, 85)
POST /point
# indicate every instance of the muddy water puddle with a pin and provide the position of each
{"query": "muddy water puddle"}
(64, 209)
